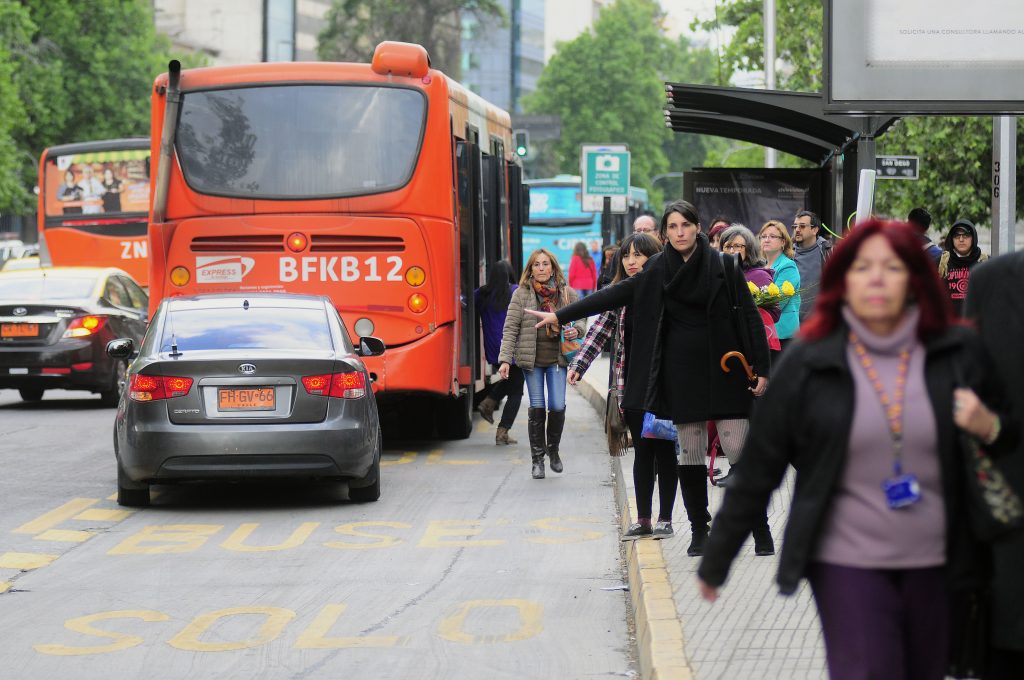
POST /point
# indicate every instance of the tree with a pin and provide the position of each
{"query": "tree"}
(355, 27)
(607, 87)
(79, 75)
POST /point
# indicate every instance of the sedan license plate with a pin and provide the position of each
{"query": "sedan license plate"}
(19, 330)
(246, 399)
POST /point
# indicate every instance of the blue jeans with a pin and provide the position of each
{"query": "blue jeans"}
(555, 377)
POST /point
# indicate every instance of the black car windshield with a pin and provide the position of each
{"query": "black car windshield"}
(300, 141)
(254, 328)
(46, 288)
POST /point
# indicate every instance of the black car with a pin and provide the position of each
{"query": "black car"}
(55, 324)
(239, 386)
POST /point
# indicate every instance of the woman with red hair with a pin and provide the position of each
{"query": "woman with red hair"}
(868, 415)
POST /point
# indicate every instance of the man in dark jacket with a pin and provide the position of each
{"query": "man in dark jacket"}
(921, 219)
(1000, 319)
(960, 254)
(811, 250)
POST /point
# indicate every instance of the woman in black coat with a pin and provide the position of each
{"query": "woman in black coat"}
(868, 415)
(691, 306)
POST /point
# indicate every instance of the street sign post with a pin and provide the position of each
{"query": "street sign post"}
(896, 167)
(605, 170)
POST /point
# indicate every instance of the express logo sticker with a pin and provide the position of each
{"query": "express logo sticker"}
(231, 269)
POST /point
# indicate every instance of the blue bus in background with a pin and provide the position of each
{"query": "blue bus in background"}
(557, 220)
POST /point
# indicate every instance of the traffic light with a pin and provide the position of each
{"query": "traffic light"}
(522, 141)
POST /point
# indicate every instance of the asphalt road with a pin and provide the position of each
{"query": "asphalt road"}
(465, 568)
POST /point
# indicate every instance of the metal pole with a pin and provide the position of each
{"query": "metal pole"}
(606, 222)
(770, 158)
(1004, 184)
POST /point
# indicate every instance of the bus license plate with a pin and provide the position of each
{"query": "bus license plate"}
(19, 330)
(246, 399)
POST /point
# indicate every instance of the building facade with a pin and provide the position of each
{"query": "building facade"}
(243, 31)
(502, 60)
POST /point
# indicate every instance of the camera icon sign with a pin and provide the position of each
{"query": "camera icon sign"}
(606, 163)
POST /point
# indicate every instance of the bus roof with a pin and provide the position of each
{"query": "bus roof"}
(97, 146)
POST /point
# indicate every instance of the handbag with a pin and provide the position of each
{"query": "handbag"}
(658, 428)
(614, 425)
(993, 507)
(568, 348)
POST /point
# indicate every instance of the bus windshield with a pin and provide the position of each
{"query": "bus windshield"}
(300, 141)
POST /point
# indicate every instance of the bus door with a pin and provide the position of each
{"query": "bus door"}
(519, 208)
(471, 212)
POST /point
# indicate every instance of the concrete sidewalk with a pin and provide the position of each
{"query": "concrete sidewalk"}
(750, 633)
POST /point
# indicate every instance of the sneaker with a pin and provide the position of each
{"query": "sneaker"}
(663, 529)
(637, 530)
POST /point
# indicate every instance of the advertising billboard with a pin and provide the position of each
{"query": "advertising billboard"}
(753, 196)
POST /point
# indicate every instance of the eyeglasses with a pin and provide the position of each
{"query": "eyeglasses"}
(733, 246)
(961, 234)
(770, 237)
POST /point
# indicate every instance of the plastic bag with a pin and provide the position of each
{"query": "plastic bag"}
(656, 428)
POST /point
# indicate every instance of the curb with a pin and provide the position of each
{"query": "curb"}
(659, 632)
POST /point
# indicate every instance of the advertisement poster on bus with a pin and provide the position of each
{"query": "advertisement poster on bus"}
(97, 183)
(753, 196)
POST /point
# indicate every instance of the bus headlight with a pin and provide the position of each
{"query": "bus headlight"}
(415, 276)
(417, 302)
(180, 276)
(364, 328)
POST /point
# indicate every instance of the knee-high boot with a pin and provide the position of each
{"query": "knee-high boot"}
(693, 482)
(556, 421)
(535, 429)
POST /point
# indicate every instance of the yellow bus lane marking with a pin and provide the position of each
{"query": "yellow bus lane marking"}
(438, 529)
(25, 561)
(436, 457)
(188, 639)
(531, 616)
(121, 640)
(236, 541)
(352, 529)
(54, 517)
(104, 515)
(168, 538)
(315, 636)
(64, 535)
(404, 459)
(5, 586)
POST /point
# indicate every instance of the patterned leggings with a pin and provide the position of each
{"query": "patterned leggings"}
(693, 440)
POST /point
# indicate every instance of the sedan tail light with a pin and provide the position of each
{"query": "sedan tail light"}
(349, 385)
(84, 326)
(154, 387)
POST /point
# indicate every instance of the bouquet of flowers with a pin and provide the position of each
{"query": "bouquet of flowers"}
(771, 295)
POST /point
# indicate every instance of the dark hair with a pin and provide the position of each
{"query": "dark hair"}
(643, 243)
(580, 251)
(920, 218)
(719, 218)
(684, 208)
(815, 222)
(924, 285)
(497, 292)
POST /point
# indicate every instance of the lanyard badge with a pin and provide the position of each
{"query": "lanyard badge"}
(901, 490)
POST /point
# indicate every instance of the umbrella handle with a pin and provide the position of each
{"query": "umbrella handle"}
(751, 376)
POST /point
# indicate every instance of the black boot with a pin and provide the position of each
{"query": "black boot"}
(693, 482)
(556, 421)
(763, 543)
(535, 429)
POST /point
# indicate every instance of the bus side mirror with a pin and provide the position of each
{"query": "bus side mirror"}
(371, 346)
(121, 348)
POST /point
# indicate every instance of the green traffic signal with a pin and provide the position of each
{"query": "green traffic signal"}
(522, 140)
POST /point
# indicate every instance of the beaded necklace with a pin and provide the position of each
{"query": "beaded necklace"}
(893, 407)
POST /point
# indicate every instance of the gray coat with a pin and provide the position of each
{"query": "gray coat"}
(519, 337)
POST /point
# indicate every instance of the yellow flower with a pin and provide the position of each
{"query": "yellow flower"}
(773, 289)
(754, 290)
(787, 289)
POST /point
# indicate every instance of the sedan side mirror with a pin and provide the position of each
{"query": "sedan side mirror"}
(121, 348)
(371, 346)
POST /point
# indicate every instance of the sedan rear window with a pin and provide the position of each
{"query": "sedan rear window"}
(46, 288)
(253, 328)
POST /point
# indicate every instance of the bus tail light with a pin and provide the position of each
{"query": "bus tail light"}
(415, 276)
(180, 276)
(417, 302)
(85, 326)
(350, 385)
(155, 387)
(297, 242)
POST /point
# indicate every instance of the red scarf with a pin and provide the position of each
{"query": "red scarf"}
(548, 299)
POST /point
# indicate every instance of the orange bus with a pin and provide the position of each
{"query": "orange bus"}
(94, 205)
(387, 187)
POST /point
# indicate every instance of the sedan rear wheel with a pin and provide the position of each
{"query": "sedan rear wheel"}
(130, 493)
(31, 393)
(371, 492)
(111, 396)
